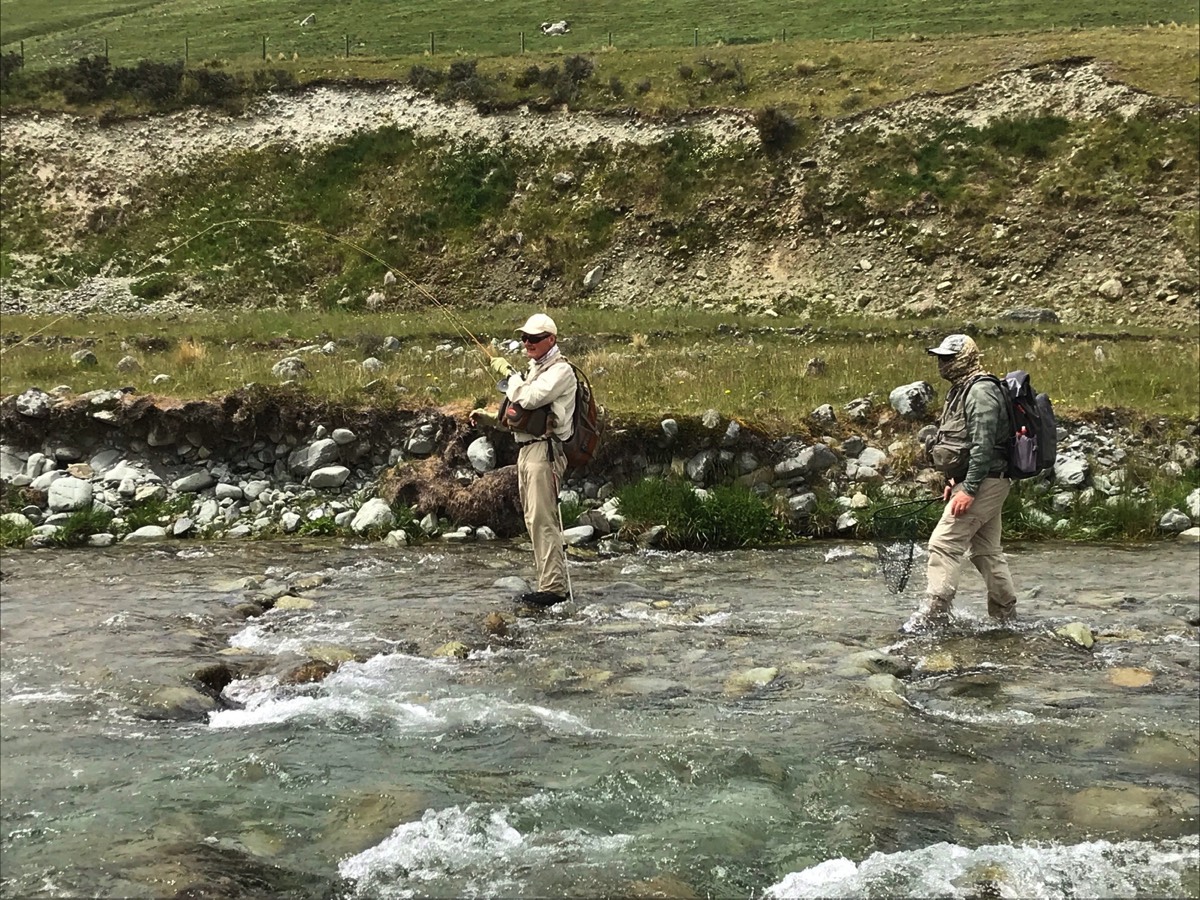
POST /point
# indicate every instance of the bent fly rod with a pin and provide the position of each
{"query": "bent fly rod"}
(458, 324)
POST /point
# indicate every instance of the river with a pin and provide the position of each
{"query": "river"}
(692, 725)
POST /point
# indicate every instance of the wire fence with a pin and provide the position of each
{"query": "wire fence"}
(305, 41)
(308, 43)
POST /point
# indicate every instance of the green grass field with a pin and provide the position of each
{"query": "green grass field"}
(652, 362)
(56, 33)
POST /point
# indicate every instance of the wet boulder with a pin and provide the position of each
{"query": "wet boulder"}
(179, 703)
(741, 683)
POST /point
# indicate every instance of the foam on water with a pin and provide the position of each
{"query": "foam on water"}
(1028, 871)
(392, 690)
(267, 636)
(475, 847)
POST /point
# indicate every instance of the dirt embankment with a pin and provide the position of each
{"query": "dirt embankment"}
(1112, 269)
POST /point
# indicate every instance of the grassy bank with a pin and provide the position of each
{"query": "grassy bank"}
(209, 29)
(767, 371)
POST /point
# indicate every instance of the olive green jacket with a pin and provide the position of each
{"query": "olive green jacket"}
(973, 436)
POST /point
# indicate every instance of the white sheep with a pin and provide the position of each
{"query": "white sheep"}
(556, 28)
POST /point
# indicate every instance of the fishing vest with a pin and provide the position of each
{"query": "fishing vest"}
(951, 450)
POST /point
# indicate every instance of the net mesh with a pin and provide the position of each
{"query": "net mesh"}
(895, 560)
(896, 530)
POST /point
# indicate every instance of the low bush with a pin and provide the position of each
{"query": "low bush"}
(10, 64)
(578, 68)
(423, 78)
(776, 129)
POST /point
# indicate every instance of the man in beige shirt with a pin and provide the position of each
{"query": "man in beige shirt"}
(539, 411)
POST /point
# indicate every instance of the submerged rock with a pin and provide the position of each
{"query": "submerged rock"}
(452, 650)
(1077, 632)
(1131, 677)
(750, 680)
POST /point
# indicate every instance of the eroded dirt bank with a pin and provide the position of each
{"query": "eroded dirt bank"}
(1116, 265)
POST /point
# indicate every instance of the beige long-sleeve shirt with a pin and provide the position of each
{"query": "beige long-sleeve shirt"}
(548, 381)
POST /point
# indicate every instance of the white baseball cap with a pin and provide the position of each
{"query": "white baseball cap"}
(539, 323)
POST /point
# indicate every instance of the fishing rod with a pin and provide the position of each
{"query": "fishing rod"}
(458, 324)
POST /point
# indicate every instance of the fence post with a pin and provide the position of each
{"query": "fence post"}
(186, 49)
(785, 35)
(431, 43)
(347, 37)
(872, 34)
(22, 53)
(106, 48)
(695, 37)
(610, 39)
(522, 42)
(264, 37)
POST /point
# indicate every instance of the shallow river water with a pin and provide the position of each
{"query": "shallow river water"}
(634, 743)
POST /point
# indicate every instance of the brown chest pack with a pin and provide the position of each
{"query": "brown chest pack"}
(586, 426)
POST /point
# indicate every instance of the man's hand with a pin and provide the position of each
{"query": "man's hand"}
(947, 490)
(482, 417)
(961, 503)
(501, 366)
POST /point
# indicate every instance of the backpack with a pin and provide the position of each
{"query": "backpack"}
(1034, 431)
(586, 427)
(581, 446)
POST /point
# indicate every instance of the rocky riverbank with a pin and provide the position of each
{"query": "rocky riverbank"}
(114, 465)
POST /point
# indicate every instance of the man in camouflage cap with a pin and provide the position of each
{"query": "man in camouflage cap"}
(971, 449)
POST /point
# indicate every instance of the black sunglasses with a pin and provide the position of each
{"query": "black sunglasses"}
(534, 338)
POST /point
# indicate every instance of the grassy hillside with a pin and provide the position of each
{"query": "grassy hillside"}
(56, 33)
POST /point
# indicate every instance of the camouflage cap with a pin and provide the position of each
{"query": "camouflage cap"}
(953, 345)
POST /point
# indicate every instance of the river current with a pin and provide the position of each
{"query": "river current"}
(692, 725)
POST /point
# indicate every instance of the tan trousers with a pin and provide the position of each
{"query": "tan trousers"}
(538, 479)
(975, 535)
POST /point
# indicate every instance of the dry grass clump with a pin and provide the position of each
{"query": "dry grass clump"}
(190, 353)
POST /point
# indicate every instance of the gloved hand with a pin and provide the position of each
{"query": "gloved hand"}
(501, 366)
(482, 417)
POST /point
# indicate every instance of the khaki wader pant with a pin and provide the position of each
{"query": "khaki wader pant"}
(538, 479)
(975, 535)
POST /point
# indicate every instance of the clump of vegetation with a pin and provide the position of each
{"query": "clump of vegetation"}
(718, 71)
(13, 534)
(720, 518)
(10, 64)
(424, 78)
(776, 129)
(154, 512)
(80, 525)
(322, 526)
(154, 287)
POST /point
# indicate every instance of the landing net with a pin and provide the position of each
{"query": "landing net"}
(896, 529)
